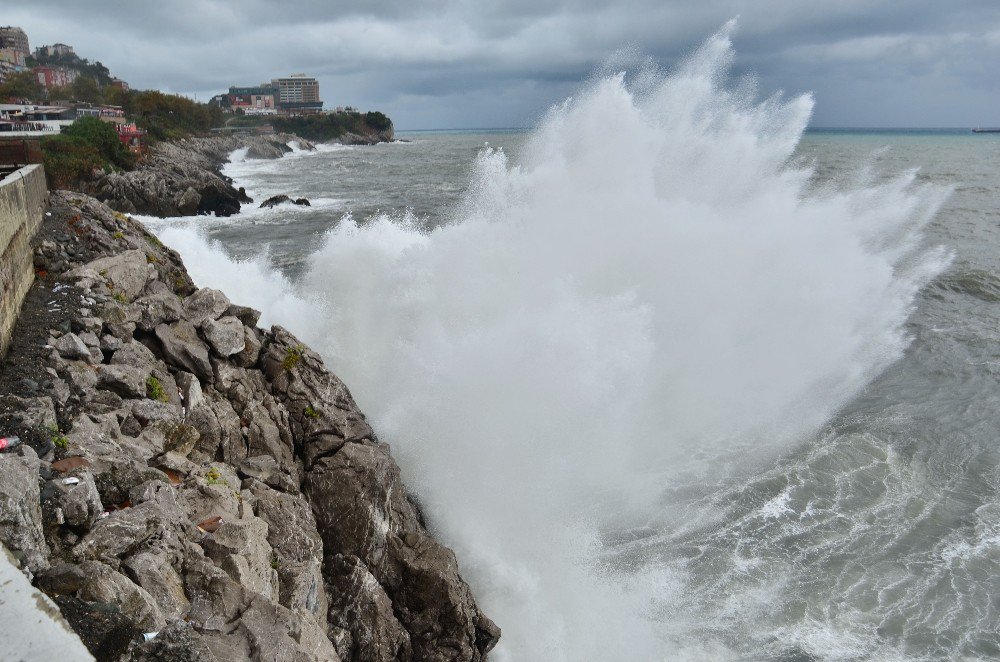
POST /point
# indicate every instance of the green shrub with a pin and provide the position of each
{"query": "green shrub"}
(69, 161)
(154, 389)
(103, 137)
(328, 126)
(292, 357)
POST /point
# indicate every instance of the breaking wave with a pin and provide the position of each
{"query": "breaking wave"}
(652, 301)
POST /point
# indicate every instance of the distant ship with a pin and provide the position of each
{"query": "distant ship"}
(992, 130)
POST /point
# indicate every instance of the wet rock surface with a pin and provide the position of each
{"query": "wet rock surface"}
(189, 474)
(183, 178)
(276, 200)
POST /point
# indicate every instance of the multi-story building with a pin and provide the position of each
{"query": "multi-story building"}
(297, 93)
(120, 84)
(12, 57)
(55, 50)
(15, 38)
(260, 99)
(49, 77)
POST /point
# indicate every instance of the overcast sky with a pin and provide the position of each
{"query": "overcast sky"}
(472, 64)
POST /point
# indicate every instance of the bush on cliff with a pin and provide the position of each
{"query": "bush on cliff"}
(167, 116)
(329, 126)
(104, 138)
(69, 161)
(85, 146)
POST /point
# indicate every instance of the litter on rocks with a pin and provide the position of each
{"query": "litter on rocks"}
(72, 480)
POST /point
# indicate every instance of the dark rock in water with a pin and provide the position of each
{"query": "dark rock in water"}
(276, 200)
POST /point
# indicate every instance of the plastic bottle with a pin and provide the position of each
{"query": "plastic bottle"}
(7, 443)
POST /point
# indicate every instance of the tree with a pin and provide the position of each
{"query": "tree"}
(103, 138)
(86, 89)
(21, 85)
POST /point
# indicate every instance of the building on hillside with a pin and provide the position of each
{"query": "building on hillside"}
(16, 38)
(258, 100)
(13, 57)
(297, 93)
(119, 84)
(49, 77)
(55, 50)
(132, 137)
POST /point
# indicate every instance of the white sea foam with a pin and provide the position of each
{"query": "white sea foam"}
(651, 296)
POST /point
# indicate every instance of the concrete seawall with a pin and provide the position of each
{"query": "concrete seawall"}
(23, 196)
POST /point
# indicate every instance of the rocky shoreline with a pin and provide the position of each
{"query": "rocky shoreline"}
(194, 487)
(184, 178)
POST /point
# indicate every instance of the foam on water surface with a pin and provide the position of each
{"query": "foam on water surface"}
(650, 303)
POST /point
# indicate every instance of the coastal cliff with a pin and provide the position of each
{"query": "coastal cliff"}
(193, 478)
(183, 178)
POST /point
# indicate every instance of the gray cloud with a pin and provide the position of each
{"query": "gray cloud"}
(460, 63)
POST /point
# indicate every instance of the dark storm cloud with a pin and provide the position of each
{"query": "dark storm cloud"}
(460, 63)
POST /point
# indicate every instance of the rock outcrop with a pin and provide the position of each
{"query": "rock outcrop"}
(276, 200)
(182, 178)
(195, 487)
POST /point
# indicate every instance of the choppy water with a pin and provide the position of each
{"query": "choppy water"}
(692, 388)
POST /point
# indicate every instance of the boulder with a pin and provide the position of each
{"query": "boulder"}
(205, 304)
(20, 509)
(276, 200)
(159, 308)
(187, 204)
(106, 585)
(323, 413)
(226, 335)
(361, 510)
(71, 346)
(153, 572)
(125, 380)
(298, 549)
(125, 273)
(184, 349)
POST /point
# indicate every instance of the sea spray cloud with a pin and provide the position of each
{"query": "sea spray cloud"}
(652, 299)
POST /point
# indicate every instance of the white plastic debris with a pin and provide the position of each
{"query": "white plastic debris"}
(71, 480)
(149, 636)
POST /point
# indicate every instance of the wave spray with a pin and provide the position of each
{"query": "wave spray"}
(654, 299)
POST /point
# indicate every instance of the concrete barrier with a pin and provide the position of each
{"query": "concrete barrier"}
(23, 196)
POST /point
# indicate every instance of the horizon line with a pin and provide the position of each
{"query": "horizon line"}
(808, 128)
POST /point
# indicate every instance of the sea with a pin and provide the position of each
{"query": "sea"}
(676, 376)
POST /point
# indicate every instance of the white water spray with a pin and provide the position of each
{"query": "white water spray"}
(651, 297)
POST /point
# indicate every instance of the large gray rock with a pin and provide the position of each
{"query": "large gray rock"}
(20, 509)
(360, 606)
(240, 548)
(187, 204)
(125, 273)
(362, 510)
(71, 346)
(79, 502)
(226, 335)
(125, 380)
(159, 308)
(184, 349)
(237, 624)
(154, 573)
(323, 413)
(104, 584)
(205, 304)
(298, 549)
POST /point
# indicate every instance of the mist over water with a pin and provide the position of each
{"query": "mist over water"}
(654, 302)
